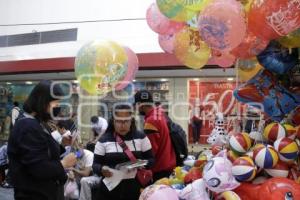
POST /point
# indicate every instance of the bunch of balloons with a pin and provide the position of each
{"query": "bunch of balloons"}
(103, 66)
(221, 31)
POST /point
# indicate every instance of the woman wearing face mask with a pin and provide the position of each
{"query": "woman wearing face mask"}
(34, 156)
(108, 154)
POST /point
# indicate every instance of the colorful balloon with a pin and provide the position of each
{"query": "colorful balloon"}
(133, 67)
(250, 46)
(195, 190)
(222, 59)
(265, 156)
(166, 42)
(278, 59)
(99, 65)
(281, 169)
(218, 24)
(190, 50)
(274, 131)
(175, 10)
(244, 169)
(217, 175)
(196, 5)
(264, 92)
(292, 40)
(274, 188)
(287, 149)
(154, 192)
(229, 195)
(247, 69)
(240, 143)
(160, 23)
(269, 19)
(291, 131)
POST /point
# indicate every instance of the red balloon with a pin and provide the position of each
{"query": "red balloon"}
(194, 174)
(215, 149)
(295, 117)
(250, 47)
(275, 188)
(271, 19)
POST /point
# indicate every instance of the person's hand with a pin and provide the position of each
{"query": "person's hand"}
(71, 175)
(105, 172)
(66, 140)
(69, 160)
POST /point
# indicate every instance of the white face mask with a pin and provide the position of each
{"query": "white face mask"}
(67, 133)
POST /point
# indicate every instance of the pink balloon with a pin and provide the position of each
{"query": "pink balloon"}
(166, 42)
(160, 23)
(222, 25)
(161, 192)
(222, 59)
(133, 66)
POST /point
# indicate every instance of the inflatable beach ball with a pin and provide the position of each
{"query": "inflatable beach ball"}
(265, 156)
(162, 192)
(281, 169)
(274, 131)
(287, 149)
(291, 131)
(244, 169)
(232, 156)
(240, 143)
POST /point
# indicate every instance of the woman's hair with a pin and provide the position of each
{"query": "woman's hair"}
(40, 97)
(121, 108)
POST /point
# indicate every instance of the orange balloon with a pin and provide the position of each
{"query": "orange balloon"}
(271, 19)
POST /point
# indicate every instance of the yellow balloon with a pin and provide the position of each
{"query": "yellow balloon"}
(100, 65)
(195, 5)
(247, 69)
(292, 40)
(190, 50)
(246, 4)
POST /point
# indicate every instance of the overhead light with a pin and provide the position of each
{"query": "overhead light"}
(163, 79)
(196, 79)
(229, 79)
(133, 80)
(75, 81)
(8, 83)
(28, 82)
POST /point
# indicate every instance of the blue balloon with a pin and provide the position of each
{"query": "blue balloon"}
(264, 92)
(178, 186)
(277, 58)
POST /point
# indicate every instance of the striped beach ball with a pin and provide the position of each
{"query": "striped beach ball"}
(232, 156)
(240, 143)
(281, 169)
(265, 156)
(287, 149)
(244, 169)
(274, 131)
(291, 131)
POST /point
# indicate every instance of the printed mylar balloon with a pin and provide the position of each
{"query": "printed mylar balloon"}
(269, 19)
(175, 10)
(267, 94)
(292, 40)
(133, 66)
(277, 58)
(219, 24)
(166, 42)
(251, 46)
(190, 49)
(160, 23)
(247, 69)
(99, 65)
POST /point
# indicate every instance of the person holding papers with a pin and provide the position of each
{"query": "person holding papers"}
(119, 180)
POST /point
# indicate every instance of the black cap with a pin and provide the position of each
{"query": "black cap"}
(143, 96)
